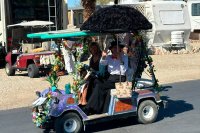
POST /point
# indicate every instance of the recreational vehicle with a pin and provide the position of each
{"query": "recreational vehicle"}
(171, 22)
(194, 13)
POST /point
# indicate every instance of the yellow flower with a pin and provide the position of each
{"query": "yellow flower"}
(56, 68)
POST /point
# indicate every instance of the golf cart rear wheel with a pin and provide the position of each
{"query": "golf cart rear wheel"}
(147, 112)
(69, 123)
(33, 71)
(9, 70)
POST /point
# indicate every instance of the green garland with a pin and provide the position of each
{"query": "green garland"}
(144, 61)
(77, 79)
(53, 77)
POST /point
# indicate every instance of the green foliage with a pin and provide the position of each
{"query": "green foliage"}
(53, 78)
(78, 81)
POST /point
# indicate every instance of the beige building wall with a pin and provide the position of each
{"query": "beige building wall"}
(75, 17)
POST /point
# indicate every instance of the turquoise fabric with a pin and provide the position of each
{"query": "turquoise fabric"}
(102, 70)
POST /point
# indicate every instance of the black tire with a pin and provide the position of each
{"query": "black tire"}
(147, 112)
(9, 70)
(69, 123)
(33, 71)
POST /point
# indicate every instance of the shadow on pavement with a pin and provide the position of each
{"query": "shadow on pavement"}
(174, 107)
(114, 124)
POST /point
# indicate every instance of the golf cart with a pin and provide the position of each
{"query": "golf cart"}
(26, 54)
(58, 109)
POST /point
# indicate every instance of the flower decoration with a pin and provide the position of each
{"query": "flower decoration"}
(77, 79)
(81, 50)
(53, 77)
(40, 113)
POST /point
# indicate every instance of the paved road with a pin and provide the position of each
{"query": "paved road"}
(181, 116)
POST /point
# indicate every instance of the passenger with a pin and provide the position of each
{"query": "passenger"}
(94, 64)
(117, 64)
(96, 56)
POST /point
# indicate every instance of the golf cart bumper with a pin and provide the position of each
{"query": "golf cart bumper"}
(163, 104)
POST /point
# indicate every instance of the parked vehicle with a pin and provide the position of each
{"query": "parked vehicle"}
(170, 20)
(29, 56)
(13, 12)
(30, 62)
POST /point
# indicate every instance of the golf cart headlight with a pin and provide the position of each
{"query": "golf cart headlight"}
(140, 86)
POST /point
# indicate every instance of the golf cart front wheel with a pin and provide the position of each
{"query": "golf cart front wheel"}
(9, 70)
(69, 123)
(147, 112)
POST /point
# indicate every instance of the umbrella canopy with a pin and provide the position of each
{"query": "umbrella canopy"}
(116, 18)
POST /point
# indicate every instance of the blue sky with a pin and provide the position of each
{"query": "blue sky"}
(73, 3)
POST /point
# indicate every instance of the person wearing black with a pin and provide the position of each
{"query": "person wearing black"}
(93, 64)
(96, 56)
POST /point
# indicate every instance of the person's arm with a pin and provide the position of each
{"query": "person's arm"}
(104, 59)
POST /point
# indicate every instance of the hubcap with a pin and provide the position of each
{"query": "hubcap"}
(70, 125)
(147, 112)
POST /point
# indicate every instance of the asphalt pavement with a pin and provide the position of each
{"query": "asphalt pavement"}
(181, 116)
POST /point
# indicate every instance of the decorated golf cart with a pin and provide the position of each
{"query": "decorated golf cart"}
(58, 108)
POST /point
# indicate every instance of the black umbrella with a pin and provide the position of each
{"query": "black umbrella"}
(116, 18)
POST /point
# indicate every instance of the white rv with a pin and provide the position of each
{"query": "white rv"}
(194, 13)
(171, 23)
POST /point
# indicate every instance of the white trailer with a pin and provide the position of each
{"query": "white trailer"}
(17, 11)
(170, 20)
(194, 13)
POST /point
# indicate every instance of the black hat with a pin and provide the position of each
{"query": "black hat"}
(114, 43)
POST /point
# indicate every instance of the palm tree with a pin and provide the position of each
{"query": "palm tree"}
(89, 8)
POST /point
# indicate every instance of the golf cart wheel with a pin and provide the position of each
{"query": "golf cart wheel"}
(33, 71)
(69, 123)
(147, 112)
(9, 70)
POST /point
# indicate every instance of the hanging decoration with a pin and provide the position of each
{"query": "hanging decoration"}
(144, 60)
(40, 113)
(78, 79)
(53, 77)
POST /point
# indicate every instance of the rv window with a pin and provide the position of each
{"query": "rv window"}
(196, 9)
(171, 17)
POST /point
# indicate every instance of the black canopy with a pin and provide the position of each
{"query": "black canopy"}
(116, 18)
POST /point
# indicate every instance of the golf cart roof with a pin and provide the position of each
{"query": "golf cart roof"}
(32, 23)
(68, 33)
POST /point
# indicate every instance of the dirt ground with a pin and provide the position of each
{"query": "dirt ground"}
(19, 91)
